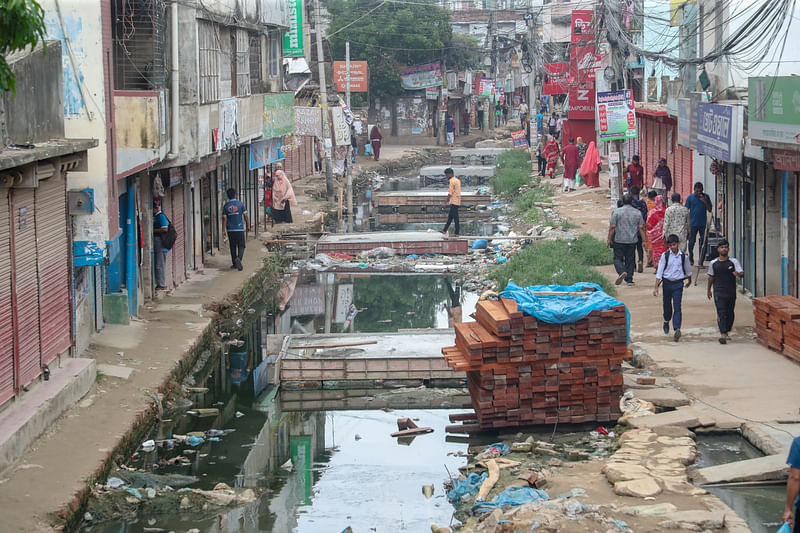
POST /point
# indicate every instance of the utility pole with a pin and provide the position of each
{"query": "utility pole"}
(349, 225)
(441, 112)
(323, 91)
(489, 114)
(617, 62)
(531, 54)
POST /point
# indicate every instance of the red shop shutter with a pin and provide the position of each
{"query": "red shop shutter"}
(179, 250)
(27, 285)
(6, 315)
(54, 276)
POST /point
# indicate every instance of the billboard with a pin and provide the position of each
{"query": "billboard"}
(582, 102)
(557, 78)
(582, 30)
(278, 114)
(486, 88)
(617, 115)
(584, 62)
(774, 109)
(359, 79)
(422, 76)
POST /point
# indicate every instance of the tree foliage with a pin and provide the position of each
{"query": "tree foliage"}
(464, 52)
(389, 38)
(21, 24)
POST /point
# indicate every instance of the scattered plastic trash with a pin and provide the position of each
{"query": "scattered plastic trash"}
(134, 492)
(461, 488)
(115, 482)
(573, 507)
(194, 441)
(239, 414)
(380, 251)
(602, 430)
(634, 407)
(499, 447)
(621, 524)
(513, 496)
(148, 445)
(480, 244)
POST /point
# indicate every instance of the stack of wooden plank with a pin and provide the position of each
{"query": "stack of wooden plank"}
(523, 371)
(777, 324)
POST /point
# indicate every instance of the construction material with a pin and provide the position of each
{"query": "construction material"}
(524, 371)
(489, 483)
(777, 324)
(406, 427)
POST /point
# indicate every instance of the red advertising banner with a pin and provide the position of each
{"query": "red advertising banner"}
(582, 30)
(359, 81)
(583, 62)
(786, 160)
(582, 101)
(558, 78)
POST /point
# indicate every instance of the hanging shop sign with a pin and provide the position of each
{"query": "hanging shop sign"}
(228, 134)
(293, 39)
(685, 124)
(519, 139)
(719, 131)
(422, 76)
(582, 102)
(340, 127)
(486, 88)
(582, 30)
(263, 153)
(359, 79)
(786, 160)
(773, 109)
(583, 62)
(617, 115)
(278, 114)
(557, 78)
(431, 93)
(308, 121)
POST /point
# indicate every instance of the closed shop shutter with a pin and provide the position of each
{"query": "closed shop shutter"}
(166, 207)
(179, 221)
(54, 277)
(6, 315)
(27, 285)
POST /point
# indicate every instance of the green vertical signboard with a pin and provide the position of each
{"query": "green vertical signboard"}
(293, 39)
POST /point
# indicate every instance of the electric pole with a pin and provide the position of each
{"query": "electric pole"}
(323, 91)
(352, 132)
(532, 55)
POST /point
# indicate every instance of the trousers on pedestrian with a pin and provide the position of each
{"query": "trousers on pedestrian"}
(640, 248)
(625, 259)
(725, 316)
(672, 296)
(452, 216)
(701, 253)
(160, 263)
(236, 240)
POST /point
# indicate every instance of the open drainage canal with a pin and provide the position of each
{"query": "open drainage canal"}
(760, 506)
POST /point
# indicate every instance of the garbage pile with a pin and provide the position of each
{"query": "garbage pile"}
(558, 361)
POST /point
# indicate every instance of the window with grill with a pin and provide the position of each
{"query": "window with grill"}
(255, 64)
(209, 61)
(275, 43)
(139, 33)
(242, 58)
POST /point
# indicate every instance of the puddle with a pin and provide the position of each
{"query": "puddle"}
(760, 507)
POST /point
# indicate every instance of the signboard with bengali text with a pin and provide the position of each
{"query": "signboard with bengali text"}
(558, 78)
(616, 115)
(359, 77)
(719, 131)
(582, 30)
(422, 76)
(774, 109)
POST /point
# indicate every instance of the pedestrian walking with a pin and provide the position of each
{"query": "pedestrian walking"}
(793, 487)
(635, 174)
(450, 128)
(375, 139)
(640, 204)
(655, 226)
(571, 158)
(319, 154)
(662, 179)
(559, 127)
(353, 143)
(590, 167)
(550, 152)
(539, 120)
(582, 147)
(160, 228)
(673, 269)
(676, 221)
(466, 122)
(237, 225)
(523, 112)
(541, 161)
(282, 196)
(626, 222)
(698, 204)
(453, 200)
(505, 113)
(498, 113)
(551, 124)
(722, 274)
(480, 114)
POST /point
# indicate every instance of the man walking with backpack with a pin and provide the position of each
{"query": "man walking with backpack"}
(160, 232)
(237, 224)
(722, 274)
(673, 269)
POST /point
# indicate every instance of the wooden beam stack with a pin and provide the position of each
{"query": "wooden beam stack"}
(777, 324)
(524, 371)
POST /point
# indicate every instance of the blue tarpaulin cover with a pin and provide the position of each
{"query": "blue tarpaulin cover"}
(557, 309)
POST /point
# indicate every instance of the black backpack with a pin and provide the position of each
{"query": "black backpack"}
(681, 256)
(168, 239)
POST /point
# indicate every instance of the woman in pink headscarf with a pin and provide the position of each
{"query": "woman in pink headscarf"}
(654, 226)
(590, 168)
(282, 196)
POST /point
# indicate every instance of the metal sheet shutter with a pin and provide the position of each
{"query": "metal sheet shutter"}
(27, 285)
(179, 221)
(166, 207)
(6, 315)
(54, 281)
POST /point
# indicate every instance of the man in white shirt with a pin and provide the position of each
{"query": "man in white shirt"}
(673, 269)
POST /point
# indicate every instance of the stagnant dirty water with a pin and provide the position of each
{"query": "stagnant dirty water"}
(761, 507)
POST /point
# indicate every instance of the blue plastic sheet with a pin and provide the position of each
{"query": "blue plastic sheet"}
(480, 244)
(471, 485)
(512, 496)
(499, 447)
(557, 309)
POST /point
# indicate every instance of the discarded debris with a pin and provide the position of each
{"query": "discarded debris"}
(407, 427)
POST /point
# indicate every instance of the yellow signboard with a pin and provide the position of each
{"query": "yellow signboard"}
(675, 11)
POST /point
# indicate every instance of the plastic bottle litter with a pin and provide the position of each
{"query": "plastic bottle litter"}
(148, 445)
